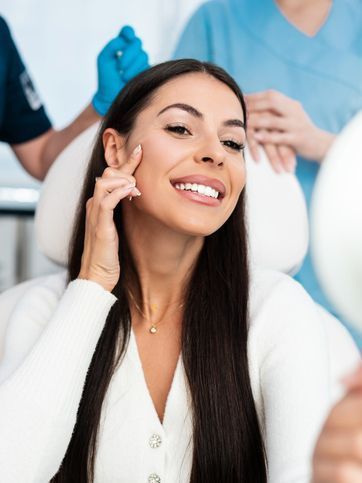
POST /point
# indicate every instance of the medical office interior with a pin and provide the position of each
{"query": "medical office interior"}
(303, 196)
(59, 43)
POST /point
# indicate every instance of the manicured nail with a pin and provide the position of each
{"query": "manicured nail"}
(137, 149)
(136, 192)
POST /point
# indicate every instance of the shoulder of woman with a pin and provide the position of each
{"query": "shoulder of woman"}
(280, 307)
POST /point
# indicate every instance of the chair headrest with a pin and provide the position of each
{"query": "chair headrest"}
(276, 210)
(59, 196)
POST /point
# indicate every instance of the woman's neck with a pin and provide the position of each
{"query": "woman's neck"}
(164, 260)
(308, 16)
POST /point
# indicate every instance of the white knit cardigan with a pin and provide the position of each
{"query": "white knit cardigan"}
(51, 337)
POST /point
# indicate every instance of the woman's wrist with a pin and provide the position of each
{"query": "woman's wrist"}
(92, 278)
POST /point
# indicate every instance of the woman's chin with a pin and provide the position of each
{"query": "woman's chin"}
(196, 228)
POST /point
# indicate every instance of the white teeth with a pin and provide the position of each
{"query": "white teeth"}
(199, 188)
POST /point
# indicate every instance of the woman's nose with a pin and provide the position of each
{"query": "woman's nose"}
(212, 154)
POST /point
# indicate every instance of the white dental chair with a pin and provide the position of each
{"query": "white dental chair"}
(276, 213)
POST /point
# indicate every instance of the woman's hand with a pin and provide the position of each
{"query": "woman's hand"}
(338, 453)
(279, 120)
(100, 262)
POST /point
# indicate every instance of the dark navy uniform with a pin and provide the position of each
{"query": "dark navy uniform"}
(22, 116)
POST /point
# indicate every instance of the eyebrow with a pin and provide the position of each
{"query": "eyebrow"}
(194, 112)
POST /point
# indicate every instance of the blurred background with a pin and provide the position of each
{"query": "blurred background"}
(59, 42)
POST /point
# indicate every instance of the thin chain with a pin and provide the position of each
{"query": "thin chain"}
(154, 327)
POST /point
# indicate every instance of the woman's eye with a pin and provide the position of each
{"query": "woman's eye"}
(234, 145)
(182, 130)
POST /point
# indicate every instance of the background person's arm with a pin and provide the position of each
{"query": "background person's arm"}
(119, 61)
(37, 155)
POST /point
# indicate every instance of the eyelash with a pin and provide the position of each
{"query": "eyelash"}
(231, 144)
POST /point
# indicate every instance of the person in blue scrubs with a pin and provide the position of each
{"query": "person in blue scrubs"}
(301, 64)
(24, 124)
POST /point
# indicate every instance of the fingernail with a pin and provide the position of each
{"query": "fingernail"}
(137, 149)
(136, 192)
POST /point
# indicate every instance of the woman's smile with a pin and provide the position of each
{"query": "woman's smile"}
(201, 189)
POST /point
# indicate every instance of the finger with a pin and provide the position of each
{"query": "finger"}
(133, 161)
(354, 380)
(268, 100)
(347, 414)
(288, 158)
(272, 154)
(130, 54)
(140, 64)
(340, 444)
(274, 137)
(267, 120)
(116, 173)
(253, 146)
(109, 203)
(115, 45)
(103, 187)
(128, 33)
(334, 471)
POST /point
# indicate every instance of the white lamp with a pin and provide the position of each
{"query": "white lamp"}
(336, 223)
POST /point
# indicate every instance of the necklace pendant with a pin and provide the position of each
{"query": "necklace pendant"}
(153, 329)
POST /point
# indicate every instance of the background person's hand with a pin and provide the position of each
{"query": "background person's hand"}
(281, 157)
(100, 261)
(279, 120)
(119, 61)
(338, 453)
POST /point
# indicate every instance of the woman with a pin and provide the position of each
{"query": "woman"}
(156, 360)
(300, 63)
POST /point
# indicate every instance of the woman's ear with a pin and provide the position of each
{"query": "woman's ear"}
(113, 144)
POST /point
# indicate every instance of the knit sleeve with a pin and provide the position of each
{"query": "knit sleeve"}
(296, 380)
(41, 389)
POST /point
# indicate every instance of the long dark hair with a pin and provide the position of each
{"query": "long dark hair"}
(227, 442)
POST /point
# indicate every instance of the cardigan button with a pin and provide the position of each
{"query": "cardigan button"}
(155, 441)
(154, 478)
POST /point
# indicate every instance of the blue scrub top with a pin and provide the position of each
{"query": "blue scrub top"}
(258, 46)
(22, 116)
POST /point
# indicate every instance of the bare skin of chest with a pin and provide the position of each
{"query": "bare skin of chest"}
(159, 354)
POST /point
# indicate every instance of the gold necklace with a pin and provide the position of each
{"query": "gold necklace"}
(154, 327)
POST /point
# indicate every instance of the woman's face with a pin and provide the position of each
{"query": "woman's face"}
(192, 170)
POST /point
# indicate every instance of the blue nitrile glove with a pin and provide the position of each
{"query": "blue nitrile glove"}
(119, 61)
